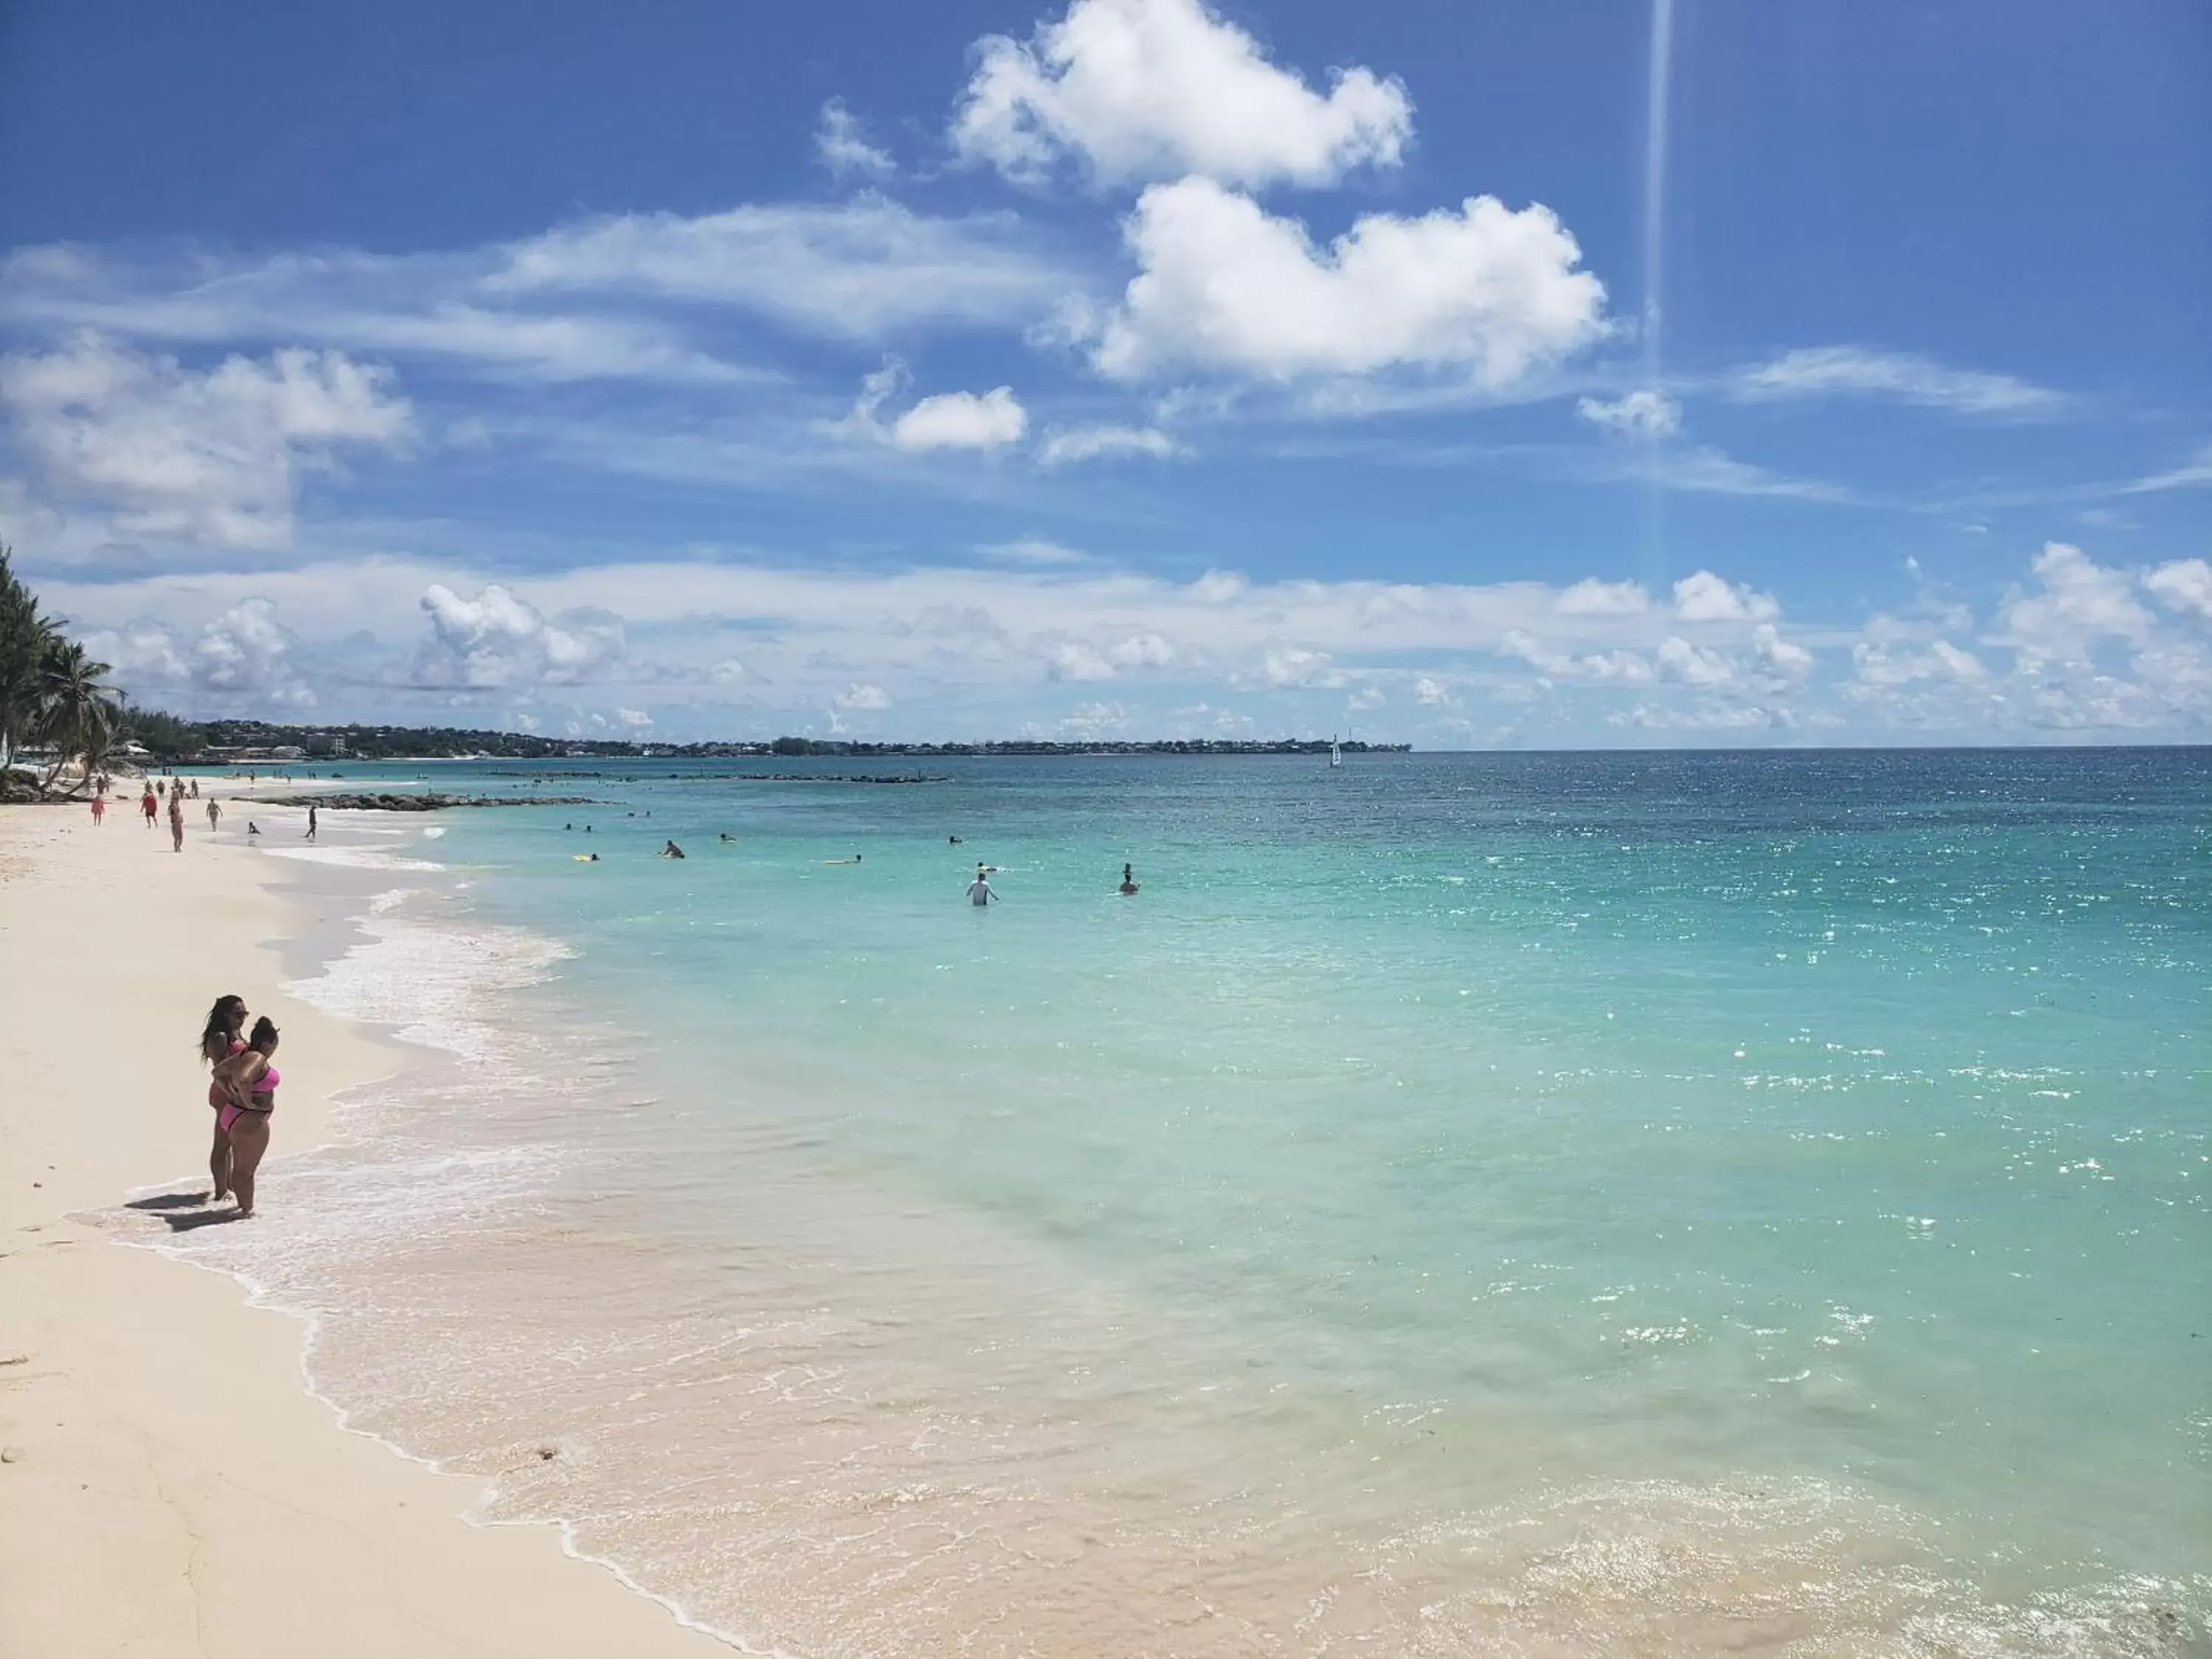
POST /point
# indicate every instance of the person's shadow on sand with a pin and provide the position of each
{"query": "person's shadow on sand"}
(162, 1203)
(185, 1224)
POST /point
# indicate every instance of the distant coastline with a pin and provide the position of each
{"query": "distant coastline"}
(256, 743)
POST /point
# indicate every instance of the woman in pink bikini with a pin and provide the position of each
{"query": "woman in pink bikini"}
(222, 1038)
(249, 1079)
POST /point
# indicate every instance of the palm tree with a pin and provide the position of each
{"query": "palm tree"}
(24, 637)
(75, 713)
(50, 690)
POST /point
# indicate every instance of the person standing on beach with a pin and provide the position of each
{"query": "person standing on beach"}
(310, 820)
(215, 814)
(979, 890)
(98, 810)
(150, 805)
(219, 1040)
(249, 1080)
(177, 822)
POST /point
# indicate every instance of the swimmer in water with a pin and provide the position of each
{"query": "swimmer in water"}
(1129, 882)
(671, 851)
(855, 858)
(725, 835)
(979, 890)
(953, 841)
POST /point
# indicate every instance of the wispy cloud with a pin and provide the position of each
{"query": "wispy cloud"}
(840, 143)
(2195, 473)
(1861, 372)
(1091, 443)
(633, 296)
(1704, 470)
(856, 269)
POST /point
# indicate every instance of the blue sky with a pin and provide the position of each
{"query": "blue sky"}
(1127, 367)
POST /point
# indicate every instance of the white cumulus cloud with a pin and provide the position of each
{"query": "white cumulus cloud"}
(1703, 597)
(1224, 285)
(1592, 598)
(1691, 665)
(2078, 602)
(1881, 665)
(2185, 584)
(1149, 89)
(1783, 659)
(963, 420)
(1291, 665)
(500, 639)
(242, 658)
(1644, 413)
(214, 456)
(862, 697)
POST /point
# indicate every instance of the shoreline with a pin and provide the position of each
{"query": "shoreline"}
(175, 1483)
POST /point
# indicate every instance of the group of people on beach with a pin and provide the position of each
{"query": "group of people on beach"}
(242, 1093)
(175, 793)
(149, 805)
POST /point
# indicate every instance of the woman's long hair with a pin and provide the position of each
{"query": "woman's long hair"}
(223, 1023)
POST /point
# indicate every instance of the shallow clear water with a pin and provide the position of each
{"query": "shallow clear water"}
(1530, 1203)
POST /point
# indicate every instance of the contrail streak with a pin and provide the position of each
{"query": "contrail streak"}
(1654, 181)
(1661, 75)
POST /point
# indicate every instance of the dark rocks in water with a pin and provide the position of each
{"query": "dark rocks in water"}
(387, 802)
(801, 777)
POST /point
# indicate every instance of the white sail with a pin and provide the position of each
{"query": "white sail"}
(1335, 754)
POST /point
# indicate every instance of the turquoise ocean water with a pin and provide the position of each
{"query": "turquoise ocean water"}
(1462, 1204)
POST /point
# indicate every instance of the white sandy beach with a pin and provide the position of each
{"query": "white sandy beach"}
(169, 1486)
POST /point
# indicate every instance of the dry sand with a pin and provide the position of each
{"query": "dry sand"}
(168, 1485)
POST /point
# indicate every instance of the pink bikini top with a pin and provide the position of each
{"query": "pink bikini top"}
(267, 1082)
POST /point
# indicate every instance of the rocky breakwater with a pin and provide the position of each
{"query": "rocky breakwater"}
(387, 801)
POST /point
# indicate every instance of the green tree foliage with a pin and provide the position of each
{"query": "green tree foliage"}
(51, 692)
(23, 637)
